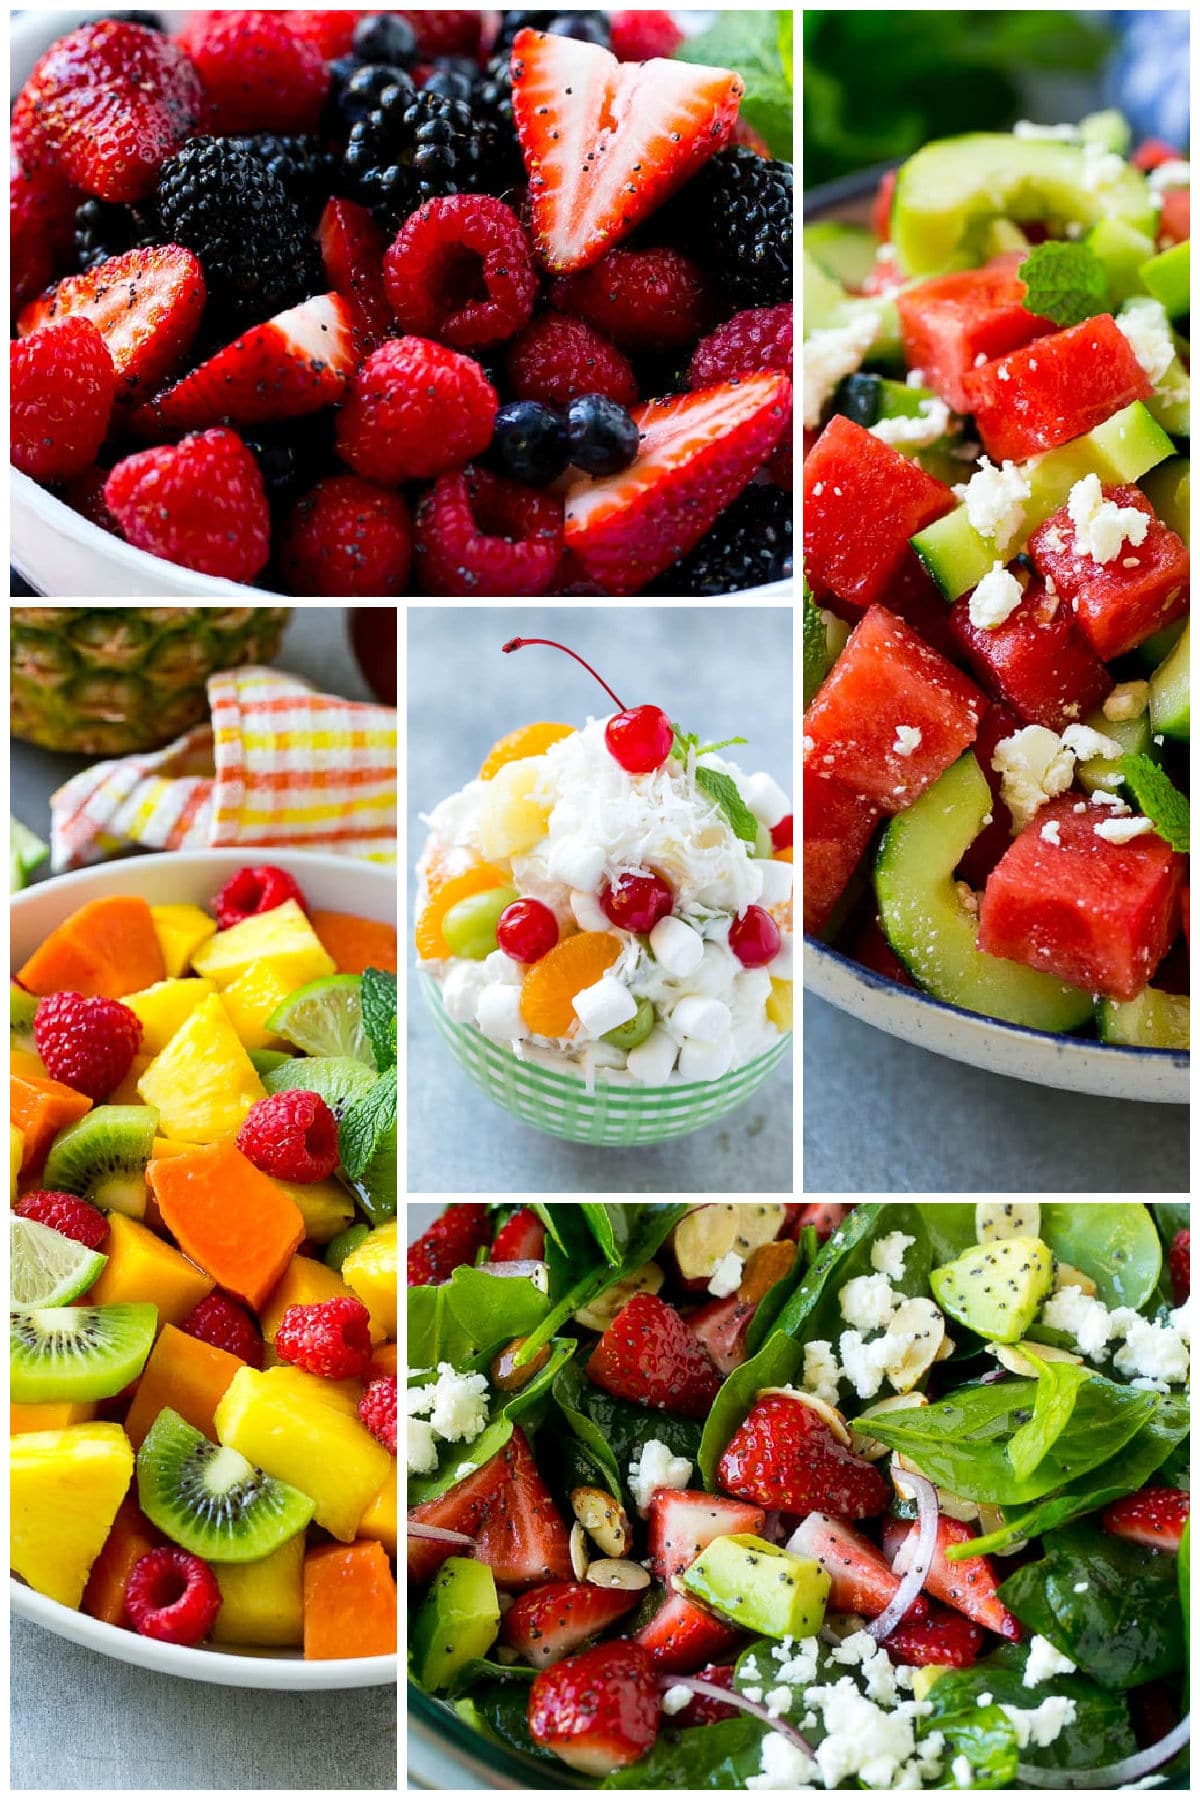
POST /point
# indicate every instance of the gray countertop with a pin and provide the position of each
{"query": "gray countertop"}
(82, 1721)
(720, 670)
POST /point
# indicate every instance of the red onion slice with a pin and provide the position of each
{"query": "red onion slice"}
(438, 1534)
(919, 1558)
(711, 1690)
(1113, 1775)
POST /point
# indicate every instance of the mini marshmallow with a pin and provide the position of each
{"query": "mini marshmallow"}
(651, 1063)
(677, 947)
(603, 1006)
(751, 990)
(575, 861)
(782, 966)
(777, 878)
(587, 914)
(712, 977)
(700, 1061)
(765, 798)
(498, 967)
(498, 1012)
(696, 1016)
(460, 990)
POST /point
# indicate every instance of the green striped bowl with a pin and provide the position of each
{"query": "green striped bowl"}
(559, 1103)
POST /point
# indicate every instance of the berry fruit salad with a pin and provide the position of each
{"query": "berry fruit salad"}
(443, 303)
(202, 1324)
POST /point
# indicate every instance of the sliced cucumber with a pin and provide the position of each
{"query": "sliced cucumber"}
(824, 638)
(1135, 738)
(1154, 1021)
(1170, 691)
(827, 306)
(1123, 252)
(868, 398)
(1168, 488)
(1108, 129)
(1168, 277)
(932, 930)
(847, 252)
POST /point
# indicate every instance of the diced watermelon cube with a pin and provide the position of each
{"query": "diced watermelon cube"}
(1098, 915)
(998, 722)
(1038, 661)
(1152, 154)
(891, 716)
(1117, 604)
(881, 206)
(950, 323)
(1054, 389)
(1175, 219)
(872, 950)
(862, 503)
(837, 827)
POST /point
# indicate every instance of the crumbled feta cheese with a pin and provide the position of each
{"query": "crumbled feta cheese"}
(1145, 325)
(995, 499)
(1043, 1661)
(861, 1738)
(1128, 700)
(860, 1650)
(1033, 767)
(1040, 1725)
(1123, 831)
(915, 377)
(1082, 1317)
(908, 739)
(821, 1372)
(676, 1698)
(727, 1276)
(797, 1660)
(867, 1302)
(778, 1701)
(784, 1765)
(1150, 1351)
(995, 599)
(460, 1405)
(656, 1467)
(960, 1768)
(1087, 745)
(421, 1448)
(864, 1364)
(1101, 526)
(828, 356)
(931, 423)
(1102, 797)
(1101, 167)
(887, 1254)
(984, 1699)
(1175, 173)
(1050, 832)
(1066, 134)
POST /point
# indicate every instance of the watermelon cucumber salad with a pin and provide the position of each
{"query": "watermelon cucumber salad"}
(804, 1496)
(996, 489)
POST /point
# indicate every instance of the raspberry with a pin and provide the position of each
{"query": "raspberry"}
(293, 1135)
(87, 1043)
(199, 503)
(413, 410)
(253, 891)
(172, 1596)
(377, 1410)
(347, 537)
(68, 1214)
(556, 358)
(258, 74)
(759, 338)
(478, 534)
(331, 1339)
(639, 36)
(442, 257)
(221, 1322)
(641, 299)
(61, 386)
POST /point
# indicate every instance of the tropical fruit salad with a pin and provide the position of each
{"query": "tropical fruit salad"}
(614, 900)
(804, 1496)
(996, 522)
(202, 1325)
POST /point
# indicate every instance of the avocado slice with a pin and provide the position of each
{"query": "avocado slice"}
(996, 1289)
(458, 1621)
(759, 1586)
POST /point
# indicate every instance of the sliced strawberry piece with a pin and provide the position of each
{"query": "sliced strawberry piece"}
(703, 1710)
(683, 1523)
(649, 1356)
(785, 1455)
(698, 451)
(522, 1238)
(1154, 1517)
(945, 1638)
(296, 363)
(460, 1508)
(606, 142)
(352, 250)
(41, 219)
(522, 1538)
(681, 1636)
(969, 1586)
(1180, 1259)
(861, 1581)
(598, 1711)
(721, 1327)
(549, 1622)
(452, 1240)
(146, 305)
(824, 1216)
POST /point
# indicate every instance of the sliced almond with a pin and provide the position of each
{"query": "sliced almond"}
(765, 1266)
(822, 1408)
(1016, 1360)
(861, 1441)
(1065, 1276)
(996, 1219)
(599, 1313)
(508, 1375)
(923, 1320)
(707, 1234)
(579, 1555)
(945, 1349)
(618, 1572)
(603, 1518)
(951, 1504)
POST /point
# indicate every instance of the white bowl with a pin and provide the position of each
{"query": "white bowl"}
(1116, 1072)
(328, 882)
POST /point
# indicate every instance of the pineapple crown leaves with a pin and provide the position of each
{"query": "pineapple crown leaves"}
(379, 1013)
(721, 788)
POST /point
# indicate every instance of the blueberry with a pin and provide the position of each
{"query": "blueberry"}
(386, 38)
(601, 436)
(529, 443)
(454, 77)
(588, 28)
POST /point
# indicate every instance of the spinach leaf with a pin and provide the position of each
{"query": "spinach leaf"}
(1100, 1734)
(652, 1228)
(1115, 1243)
(950, 1225)
(496, 1433)
(1057, 1388)
(499, 1710)
(983, 1734)
(480, 1668)
(471, 1313)
(625, 1427)
(611, 1225)
(700, 1757)
(1126, 1628)
(568, 1393)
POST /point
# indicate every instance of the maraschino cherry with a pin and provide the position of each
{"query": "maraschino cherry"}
(639, 738)
(526, 930)
(754, 937)
(636, 902)
(781, 834)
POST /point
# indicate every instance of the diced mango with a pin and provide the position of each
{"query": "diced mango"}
(283, 935)
(350, 1602)
(380, 1519)
(185, 1374)
(27, 1063)
(126, 1091)
(16, 1155)
(164, 1007)
(180, 931)
(229, 1217)
(143, 1266)
(373, 1271)
(779, 1004)
(50, 1415)
(262, 1603)
(305, 1282)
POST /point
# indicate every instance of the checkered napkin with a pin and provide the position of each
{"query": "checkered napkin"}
(280, 765)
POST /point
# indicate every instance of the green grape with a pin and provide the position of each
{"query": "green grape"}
(634, 1031)
(470, 927)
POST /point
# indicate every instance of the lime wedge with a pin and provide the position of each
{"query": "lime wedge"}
(26, 852)
(49, 1269)
(324, 1018)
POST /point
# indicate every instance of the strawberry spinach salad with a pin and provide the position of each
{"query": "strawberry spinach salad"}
(815, 1496)
(996, 640)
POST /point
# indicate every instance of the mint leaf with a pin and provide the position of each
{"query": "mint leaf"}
(1065, 282)
(365, 1123)
(1160, 800)
(758, 46)
(723, 789)
(379, 1016)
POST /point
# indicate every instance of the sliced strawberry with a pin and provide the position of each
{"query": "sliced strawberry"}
(824, 1216)
(146, 305)
(41, 219)
(649, 1356)
(969, 1586)
(785, 1455)
(605, 142)
(944, 1637)
(698, 451)
(548, 1623)
(522, 1537)
(460, 1508)
(701, 1709)
(681, 1637)
(296, 363)
(454, 1238)
(721, 1327)
(1155, 1517)
(352, 250)
(598, 1711)
(862, 1581)
(521, 1238)
(1179, 1262)
(683, 1523)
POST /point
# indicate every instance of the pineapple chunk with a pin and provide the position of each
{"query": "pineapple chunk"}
(164, 1007)
(325, 1205)
(65, 1488)
(373, 1271)
(380, 1519)
(510, 818)
(27, 1063)
(180, 931)
(253, 997)
(203, 1083)
(779, 1004)
(16, 1153)
(262, 1602)
(282, 936)
(126, 1091)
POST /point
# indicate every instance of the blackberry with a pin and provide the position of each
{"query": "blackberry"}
(356, 94)
(453, 77)
(750, 543)
(589, 28)
(221, 200)
(412, 148)
(293, 456)
(302, 165)
(501, 165)
(735, 216)
(103, 230)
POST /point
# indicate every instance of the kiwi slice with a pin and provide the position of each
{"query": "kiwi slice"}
(207, 1498)
(21, 1008)
(338, 1079)
(103, 1157)
(77, 1352)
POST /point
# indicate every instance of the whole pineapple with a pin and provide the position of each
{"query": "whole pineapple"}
(106, 680)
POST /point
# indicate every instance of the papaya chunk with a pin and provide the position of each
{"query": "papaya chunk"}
(40, 1108)
(356, 944)
(229, 1217)
(108, 948)
(349, 1601)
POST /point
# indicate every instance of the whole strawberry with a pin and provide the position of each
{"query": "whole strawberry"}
(200, 503)
(258, 74)
(62, 381)
(86, 1043)
(41, 222)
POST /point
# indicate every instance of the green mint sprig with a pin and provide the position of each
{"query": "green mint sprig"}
(1160, 800)
(721, 788)
(365, 1123)
(1065, 282)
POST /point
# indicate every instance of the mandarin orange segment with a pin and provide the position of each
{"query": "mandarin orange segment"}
(784, 855)
(430, 941)
(527, 740)
(548, 991)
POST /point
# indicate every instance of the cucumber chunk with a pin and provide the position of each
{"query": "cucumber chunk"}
(1123, 253)
(1135, 738)
(1168, 488)
(1168, 277)
(1154, 1021)
(1170, 691)
(933, 931)
(825, 637)
(847, 252)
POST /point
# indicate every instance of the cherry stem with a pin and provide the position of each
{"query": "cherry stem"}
(521, 643)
